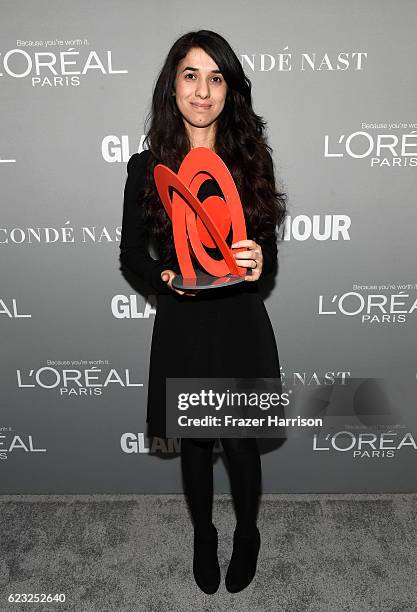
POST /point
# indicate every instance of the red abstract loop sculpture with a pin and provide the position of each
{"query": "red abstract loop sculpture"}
(202, 224)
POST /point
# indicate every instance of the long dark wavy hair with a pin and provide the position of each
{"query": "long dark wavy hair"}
(240, 142)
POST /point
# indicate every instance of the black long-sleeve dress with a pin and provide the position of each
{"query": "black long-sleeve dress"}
(223, 333)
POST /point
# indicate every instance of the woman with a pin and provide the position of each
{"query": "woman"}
(202, 98)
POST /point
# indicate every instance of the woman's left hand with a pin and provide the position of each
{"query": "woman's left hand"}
(251, 258)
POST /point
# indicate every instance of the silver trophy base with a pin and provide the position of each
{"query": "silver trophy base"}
(205, 281)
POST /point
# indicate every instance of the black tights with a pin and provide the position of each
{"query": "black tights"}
(245, 475)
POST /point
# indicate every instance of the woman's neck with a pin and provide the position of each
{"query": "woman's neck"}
(200, 137)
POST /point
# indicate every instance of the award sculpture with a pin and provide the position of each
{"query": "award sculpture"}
(202, 224)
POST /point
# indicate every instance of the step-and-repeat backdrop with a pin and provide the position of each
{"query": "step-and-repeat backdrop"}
(336, 83)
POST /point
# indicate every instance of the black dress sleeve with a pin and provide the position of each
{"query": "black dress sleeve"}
(269, 253)
(134, 252)
(268, 242)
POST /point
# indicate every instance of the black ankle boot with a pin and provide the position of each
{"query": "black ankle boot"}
(242, 566)
(206, 567)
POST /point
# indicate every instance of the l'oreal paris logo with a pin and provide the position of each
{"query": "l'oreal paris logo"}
(383, 150)
(364, 445)
(9, 308)
(53, 68)
(75, 381)
(14, 443)
(372, 307)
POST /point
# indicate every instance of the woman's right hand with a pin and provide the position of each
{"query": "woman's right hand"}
(168, 276)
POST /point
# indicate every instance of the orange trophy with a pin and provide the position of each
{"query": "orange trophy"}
(197, 225)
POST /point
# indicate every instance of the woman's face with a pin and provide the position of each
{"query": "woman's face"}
(200, 88)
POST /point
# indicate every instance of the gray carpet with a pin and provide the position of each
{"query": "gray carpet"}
(319, 553)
